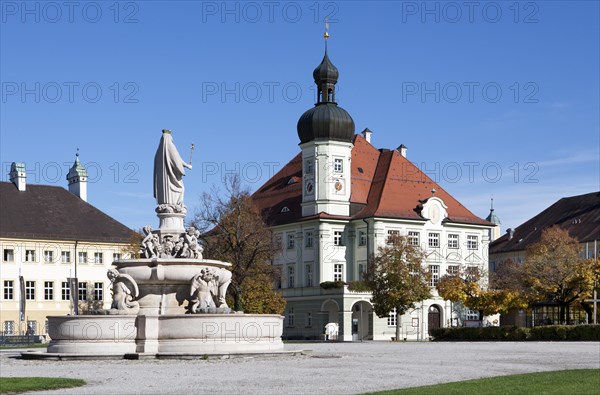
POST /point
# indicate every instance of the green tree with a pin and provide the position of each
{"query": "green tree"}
(260, 298)
(554, 271)
(397, 279)
(234, 231)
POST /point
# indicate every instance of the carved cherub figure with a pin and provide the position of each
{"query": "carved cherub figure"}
(203, 291)
(148, 243)
(124, 290)
(191, 247)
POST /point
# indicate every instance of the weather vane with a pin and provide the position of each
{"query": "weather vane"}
(326, 34)
(191, 152)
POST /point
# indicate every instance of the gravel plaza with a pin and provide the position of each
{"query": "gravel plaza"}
(333, 368)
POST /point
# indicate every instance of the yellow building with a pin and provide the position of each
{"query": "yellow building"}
(56, 250)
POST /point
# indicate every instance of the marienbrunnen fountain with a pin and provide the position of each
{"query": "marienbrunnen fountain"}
(170, 302)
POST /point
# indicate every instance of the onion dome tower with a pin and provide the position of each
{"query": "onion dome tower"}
(493, 218)
(326, 132)
(77, 178)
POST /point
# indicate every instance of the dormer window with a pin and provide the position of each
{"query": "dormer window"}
(291, 181)
(285, 209)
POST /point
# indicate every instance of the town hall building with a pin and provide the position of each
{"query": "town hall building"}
(340, 199)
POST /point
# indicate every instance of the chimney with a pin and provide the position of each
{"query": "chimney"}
(511, 233)
(367, 134)
(18, 175)
(402, 149)
(77, 178)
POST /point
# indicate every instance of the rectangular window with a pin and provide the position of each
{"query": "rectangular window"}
(453, 240)
(82, 257)
(291, 316)
(362, 270)
(309, 276)
(434, 240)
(29, 255)
(9, 255)
(414, 238)
(291, 241)
(65, 256)
(31, 328)
(98, 291)
(452, 270)
(48, 290)
(29, 290)
(472, 273)
(392, 235)
(308, 242)
(362, 238)
(308, 319)
(472, 315)
(82, 291)
(65, 293)
(48, 256)
(116, 256)
(338, 272)
(9, 290)
(435, 275)
(338, 165)
(309, 167)
(472, 242)
(98, 258)
(9, 327)
(291, 277)
(277, 241)
(337, 238)
(391, 321)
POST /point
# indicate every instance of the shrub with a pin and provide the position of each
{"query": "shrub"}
(332, 284)
(512, 333)
(565, 333)
(492, 333)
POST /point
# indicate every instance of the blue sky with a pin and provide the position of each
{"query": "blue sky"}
(492, 99)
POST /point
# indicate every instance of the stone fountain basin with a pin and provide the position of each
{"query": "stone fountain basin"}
(166, 270)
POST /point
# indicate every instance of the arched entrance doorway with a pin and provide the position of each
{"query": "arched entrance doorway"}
(331, 310)
(434, 318)
(362, 321)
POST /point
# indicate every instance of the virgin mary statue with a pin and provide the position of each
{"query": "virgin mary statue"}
(168, 172)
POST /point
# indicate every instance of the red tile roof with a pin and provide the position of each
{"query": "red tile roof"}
(580, 215)
(383, 184)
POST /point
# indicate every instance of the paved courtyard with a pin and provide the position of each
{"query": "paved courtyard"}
(332, 368)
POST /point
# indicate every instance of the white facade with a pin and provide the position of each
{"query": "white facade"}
(46, 266)
(317, 251)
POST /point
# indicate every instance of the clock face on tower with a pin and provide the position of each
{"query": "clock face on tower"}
(338, 186)
(310, 188)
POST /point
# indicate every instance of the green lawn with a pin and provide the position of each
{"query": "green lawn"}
(12, 385)
(586, 381)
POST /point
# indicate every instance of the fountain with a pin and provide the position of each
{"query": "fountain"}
(171, 301)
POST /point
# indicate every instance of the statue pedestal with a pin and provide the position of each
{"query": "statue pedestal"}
(171, 223)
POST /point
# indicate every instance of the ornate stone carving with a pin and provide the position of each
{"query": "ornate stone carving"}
(207, 291)
(186, 245)
(171, 208)
(124, 290)
(203, 292)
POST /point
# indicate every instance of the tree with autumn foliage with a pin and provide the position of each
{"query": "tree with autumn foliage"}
(554, 271)
(470, 288)
(259, 297)
(397, 279)
(233, 230)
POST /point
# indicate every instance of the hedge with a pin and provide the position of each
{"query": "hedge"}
(512, 333)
